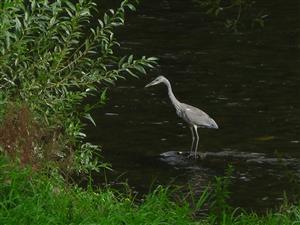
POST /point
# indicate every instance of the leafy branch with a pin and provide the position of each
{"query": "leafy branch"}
(52, 58)
(237, 14)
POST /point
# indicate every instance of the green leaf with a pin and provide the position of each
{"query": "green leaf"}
(90, 118)
(70, 5)
(152, 59)
(131, 73)
(105, 18)
(103, 96)
(130, 58)
(140, 69)
(121, 61)
(131, 7)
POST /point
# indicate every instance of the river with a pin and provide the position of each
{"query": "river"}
(248, 82)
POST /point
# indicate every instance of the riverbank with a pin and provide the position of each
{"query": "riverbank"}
(29, 197)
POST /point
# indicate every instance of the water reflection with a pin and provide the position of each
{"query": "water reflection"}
(249, 83)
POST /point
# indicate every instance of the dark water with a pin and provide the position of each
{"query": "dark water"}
(249, 83)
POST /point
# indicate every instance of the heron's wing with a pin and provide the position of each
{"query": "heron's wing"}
(195, 116)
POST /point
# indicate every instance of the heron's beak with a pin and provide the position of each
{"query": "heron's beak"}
(151, 83)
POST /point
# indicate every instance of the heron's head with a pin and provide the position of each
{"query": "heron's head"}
(157, 80)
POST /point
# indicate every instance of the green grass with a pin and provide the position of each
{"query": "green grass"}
(285, 217)
(32, 198)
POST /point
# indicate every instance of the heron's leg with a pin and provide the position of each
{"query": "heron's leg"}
(197, 140)
(193, 139)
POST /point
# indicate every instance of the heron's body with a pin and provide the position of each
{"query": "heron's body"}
(193, 116)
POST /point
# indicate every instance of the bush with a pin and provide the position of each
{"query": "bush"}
(52, 58)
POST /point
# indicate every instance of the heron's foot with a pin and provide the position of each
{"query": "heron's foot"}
(191, 155)
(199, 155)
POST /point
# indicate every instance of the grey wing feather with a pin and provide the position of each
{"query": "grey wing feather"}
(195, 116)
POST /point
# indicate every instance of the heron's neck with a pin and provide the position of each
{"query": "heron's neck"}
(172, 97)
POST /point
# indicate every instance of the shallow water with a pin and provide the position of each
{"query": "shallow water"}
(249, 83)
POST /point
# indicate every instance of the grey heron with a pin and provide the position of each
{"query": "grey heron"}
(193, 116)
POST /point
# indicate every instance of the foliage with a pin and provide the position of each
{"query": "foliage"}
(28, 197)
(32, 198)
(52, 57)
(238, 14)
(220, 195)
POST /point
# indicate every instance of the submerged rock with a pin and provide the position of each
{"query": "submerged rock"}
(217, 159)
